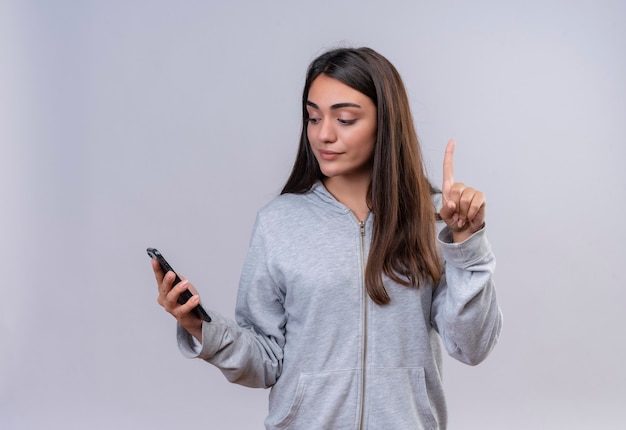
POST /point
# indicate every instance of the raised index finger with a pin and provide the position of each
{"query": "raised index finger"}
(448, 168)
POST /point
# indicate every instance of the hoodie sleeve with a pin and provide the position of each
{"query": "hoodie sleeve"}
(249, 351)
(464, 310)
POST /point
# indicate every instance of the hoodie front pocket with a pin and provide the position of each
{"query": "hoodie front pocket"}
(323, 400)
(397, 398)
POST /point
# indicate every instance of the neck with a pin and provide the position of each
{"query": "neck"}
(351, 192)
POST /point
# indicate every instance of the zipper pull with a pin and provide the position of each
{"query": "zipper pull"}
(362, 225)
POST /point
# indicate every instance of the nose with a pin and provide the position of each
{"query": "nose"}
(326, 132)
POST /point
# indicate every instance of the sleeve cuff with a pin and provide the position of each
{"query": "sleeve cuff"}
(466, 253)
(214, 335)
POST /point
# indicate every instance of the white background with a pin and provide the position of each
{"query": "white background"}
(127, 124)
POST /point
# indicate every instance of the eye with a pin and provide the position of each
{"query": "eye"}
(346, 121)
(313, 120)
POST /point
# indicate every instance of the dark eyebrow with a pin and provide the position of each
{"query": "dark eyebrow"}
(335, 106)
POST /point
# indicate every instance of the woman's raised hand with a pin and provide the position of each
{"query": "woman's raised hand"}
(463, 208)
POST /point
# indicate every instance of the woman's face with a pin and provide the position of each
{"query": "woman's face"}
(341, 128)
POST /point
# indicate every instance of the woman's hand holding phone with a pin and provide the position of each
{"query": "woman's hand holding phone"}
(169, 299)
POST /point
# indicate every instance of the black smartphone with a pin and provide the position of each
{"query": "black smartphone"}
(185, 295)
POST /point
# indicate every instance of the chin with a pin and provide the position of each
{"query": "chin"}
(331, 173)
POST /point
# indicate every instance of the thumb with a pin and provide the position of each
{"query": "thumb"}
(448, 209)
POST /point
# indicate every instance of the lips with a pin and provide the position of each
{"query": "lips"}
(329, 155)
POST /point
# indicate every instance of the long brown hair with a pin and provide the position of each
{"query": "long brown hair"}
(399, 196)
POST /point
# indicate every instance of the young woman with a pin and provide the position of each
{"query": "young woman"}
(359, 270)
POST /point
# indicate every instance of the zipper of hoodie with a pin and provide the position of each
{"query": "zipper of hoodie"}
(364, 313)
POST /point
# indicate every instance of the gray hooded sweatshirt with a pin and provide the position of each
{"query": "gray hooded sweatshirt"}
(306, 327)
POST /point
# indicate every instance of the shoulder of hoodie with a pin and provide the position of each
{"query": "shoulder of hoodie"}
(290, 206)
(282, 205)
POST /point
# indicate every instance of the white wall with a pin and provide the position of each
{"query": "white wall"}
(127, 124)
